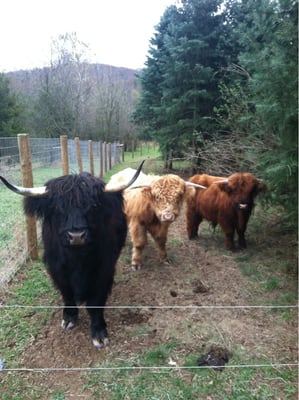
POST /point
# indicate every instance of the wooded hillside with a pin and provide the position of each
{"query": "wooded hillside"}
(219, 90)
(92, 101)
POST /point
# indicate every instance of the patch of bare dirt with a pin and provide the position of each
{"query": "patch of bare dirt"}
(200, 273)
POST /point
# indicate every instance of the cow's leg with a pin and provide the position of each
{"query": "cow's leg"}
(139, 240)
(241, 240)
(159, 234)
(229, 241)
(70, 311)
(98, 327)
(70, 315)
(229, 235)
(193, 222)
(243, 218)
(94, 306)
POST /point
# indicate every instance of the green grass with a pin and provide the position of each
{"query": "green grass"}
(12, 220)
(130, 382)
(33, 285)
(269, 270)
(19, 326)
(270, 262)
(10, 211)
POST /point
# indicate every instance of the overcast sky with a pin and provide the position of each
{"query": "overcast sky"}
(116, 31)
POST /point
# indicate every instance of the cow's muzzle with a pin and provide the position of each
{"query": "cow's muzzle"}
(167, 217)
(243, 206)
(77, 238)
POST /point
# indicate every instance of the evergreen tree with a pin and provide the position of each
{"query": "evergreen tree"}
(268, 39)
(10, 110)
(180, 83)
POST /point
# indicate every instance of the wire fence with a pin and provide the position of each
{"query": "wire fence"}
(46, 153)
(156, 307)
(151, 368)
(46, 164)
(168, 366)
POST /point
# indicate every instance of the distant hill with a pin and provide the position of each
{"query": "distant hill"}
(29, 81)
(85, 100)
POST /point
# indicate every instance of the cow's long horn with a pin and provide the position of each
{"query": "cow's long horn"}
(124, 186)
(262, 185)
(222, 181)
(37, 191)
(261, 182)
(196, 185)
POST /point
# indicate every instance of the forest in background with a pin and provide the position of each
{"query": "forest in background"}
(219, 89)
(70, 96)
(92, 101)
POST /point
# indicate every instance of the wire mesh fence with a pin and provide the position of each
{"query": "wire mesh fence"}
(46, 164)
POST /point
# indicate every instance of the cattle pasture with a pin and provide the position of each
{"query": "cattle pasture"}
(161, 334)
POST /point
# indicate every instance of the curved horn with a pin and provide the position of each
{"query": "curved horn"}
(195, 185)
(262, 185)
(37, 191)
(141, 186)
(222, 181)
(261, 182)
(123, 186)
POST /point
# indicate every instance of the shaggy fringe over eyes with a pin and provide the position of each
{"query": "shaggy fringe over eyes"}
(76, 190)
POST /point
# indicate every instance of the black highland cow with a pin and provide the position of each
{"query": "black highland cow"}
(83, 229)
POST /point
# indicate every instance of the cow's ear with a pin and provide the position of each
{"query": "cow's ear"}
(261, 186)
(190, 192)
(224, 186)
(36, 206)
(146, 191)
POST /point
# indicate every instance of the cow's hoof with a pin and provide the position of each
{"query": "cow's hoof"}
(67, 325)
(136, 267)
(196, 237)
(100, 344)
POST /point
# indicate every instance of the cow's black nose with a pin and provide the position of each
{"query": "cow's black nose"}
(77, 238)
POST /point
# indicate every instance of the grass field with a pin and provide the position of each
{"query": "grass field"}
(144, 341)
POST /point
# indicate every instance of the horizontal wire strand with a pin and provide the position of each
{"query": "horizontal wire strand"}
(153, 368)
(191, 307)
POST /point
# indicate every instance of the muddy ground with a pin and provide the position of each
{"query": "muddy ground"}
(200, 273)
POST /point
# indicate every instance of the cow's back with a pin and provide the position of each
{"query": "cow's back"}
(126, 175)
(205, 180)
(212, 202)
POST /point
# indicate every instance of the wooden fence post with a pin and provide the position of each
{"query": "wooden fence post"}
(78, 152)
(105, 157)
(64, 155)
(123, 152)
(27, 181)
(101, 159)
(109, 156)
(91, 162)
